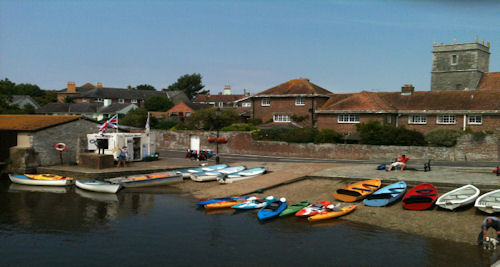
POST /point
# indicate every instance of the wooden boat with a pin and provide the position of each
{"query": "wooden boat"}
(313, 209)
(186, 173)
(332, 212)
(242, 175)
(489, 202)
(40, 179)
(253, 203)
(226, 203)
(213, 175)
(357, 191)
(421, 197)
(459, 197)
(152, 179)
(386, 195)
(98, 186)
(294, 208)
(272, 209)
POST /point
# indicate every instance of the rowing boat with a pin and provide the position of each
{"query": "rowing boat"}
(98, 186)
(213, 175)
(152, 179)
(40, 179)
(186, 173)
(459, 197)
(242, 175)
(489, 202)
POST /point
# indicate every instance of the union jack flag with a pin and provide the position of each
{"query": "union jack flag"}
(111, 123)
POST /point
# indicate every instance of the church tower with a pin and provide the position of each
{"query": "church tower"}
(459, 66)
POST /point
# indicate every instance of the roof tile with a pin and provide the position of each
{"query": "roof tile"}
(32, 122)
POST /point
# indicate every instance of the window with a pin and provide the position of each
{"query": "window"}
(475, 119)
(173, 113)
(188, 114)
(221, 104)
(121, 100)
(84, 100)
(446, 119)
(181, 113)
(300, 101)
(417, 119)
(281, 118)
(266, 102)
(348, 118)
(99, 100)
(454, 59)
(246, 104)
(134, 101)
(389, 119)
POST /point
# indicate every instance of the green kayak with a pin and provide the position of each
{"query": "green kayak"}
(294, 208)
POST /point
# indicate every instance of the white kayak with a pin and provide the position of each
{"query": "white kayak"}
(213, 175)
(459, 197)
(242, 175)
(23, 179)
(98, 186)
(489, 202)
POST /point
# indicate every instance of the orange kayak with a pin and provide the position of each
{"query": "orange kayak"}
(357, 191)
(226, 204)
(47, 177)
(332, 213)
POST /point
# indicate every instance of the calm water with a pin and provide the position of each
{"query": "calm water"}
(158, 226)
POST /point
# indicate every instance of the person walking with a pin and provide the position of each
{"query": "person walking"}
(490, 221)
(400, 163)
(122, 157)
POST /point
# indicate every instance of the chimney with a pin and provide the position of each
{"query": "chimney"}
(99, 85)
(407, 89)
(227, 90)
(71, 87)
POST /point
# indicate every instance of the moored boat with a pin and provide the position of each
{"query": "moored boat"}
(459, 197)
(242, 175)
(357, 191)
(313, 209)
(186, 173)
(253, 203)
(152, 179)
(98, 186)
(332, 212)
(489, 202)
(272, 209)
(420, 197)
(386, 195)
(213, 175)
(294, 208)
(41, 179)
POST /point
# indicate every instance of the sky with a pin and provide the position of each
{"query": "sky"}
(342, 46)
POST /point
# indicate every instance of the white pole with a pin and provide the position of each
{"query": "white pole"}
(149, 136)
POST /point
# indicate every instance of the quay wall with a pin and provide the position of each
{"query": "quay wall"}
(467, 149)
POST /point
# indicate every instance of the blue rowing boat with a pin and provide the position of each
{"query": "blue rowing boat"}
(386, 195)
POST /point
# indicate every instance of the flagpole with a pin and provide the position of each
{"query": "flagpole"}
(117, 124)
(149, 137)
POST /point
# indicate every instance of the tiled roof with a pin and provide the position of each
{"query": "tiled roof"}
(176, 96)
(115, 93)
(197, 106)
(295, 87)
(113, 108)
(68, 108)
(32, 122)
(489, 81)
(217, 98)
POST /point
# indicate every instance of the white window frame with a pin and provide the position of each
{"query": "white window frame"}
(300, 101)
(99, 100)
(454, 62)
(221, 104)
(473, 119)
(246, 104)
(446, 119)
(281, 118)
(417, 119)
(133, 101)
(265, 102)
(121, 100)
(188, 114)
(84, 100)
(348, 118)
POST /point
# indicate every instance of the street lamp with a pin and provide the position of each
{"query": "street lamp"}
(217, 115)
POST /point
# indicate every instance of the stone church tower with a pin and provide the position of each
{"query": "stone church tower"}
(459, 66)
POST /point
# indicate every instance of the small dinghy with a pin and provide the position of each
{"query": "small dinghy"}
(226, 204)
(41, 179)
(421, 197)
(357, 191)
(242, 175)
(98, 186)
(254, 203)
(152, 179)
(272, 209)
(489, 202)
(333, 211)
(213, 175)
(459, 197)
(186, 173)
(294, 208)
(386, 195)
(313, 209)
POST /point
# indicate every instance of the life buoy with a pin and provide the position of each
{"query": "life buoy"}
(60, 146)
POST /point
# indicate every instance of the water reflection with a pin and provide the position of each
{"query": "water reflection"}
(34, 188)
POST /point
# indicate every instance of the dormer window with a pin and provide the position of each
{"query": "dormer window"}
(454, 59)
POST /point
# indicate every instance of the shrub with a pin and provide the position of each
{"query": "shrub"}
(405, 137)
(374, 133)
(165, 124)
(328, 136)
(255, 121)
(242, 127)
(271, 134)
(443, 137)
(299, 135)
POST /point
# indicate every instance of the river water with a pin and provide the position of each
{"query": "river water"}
(160, 226)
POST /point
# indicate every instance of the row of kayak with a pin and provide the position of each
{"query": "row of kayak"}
(271, 207)
(222, 173)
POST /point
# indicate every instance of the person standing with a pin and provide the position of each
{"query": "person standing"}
(400, 163)
(490, 221)
(122, 157)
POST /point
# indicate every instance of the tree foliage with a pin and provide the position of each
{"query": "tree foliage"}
(328, 136)
(145, 87)
(190, 84)
(9, 88)
(374, 133)
(205, 119)
(158, 103)
(443, 137)
(137, 118)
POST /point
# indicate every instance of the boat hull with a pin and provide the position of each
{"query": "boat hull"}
(357, 191)
(459, 197)
(98, 186)
(386, 195)
(421, 197)
(154, 179)
(488, 202)
(266, 214)
(290, 210)
(332, 214)
(22, 179)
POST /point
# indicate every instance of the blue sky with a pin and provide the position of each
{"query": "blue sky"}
(342, 46)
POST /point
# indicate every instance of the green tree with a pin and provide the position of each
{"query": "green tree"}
(137, 118)
(145, 87)
(375, 133)
(158, 103)
(205, 119)
(28, 109)
(49, 96)
(68, 99)
(190, 84)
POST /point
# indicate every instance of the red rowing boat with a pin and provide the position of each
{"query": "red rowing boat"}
(421, 197)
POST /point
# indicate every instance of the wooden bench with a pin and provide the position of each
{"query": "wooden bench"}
(416, 165)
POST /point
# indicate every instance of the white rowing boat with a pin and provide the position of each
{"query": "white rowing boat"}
(98, 186)
(459, 197)
(489, 202)
(213, 175)
(186, 173)
(242, 175)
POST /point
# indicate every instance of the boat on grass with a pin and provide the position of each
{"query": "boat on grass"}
(295, 208)
(459, 197)
(213, 175)
(313, 209)
(333, 211)
(386, 195)
(242, 175)
(41, 179)
(152, 179)
(253, 203)
(98, 186)
(272, 209)
(420, 197)
(489, 202)
(357, 191)
(186, 173)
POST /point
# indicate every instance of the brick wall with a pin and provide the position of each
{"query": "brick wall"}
(330, 121)
(466, 149)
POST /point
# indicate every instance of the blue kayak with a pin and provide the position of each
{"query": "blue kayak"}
(217, 200)
(272, 209)
(386, 195)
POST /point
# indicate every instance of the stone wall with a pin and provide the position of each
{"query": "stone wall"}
(486, 149)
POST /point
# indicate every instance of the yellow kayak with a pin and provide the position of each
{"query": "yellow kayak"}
(225, 204)
(47, 177)
(357, 191)
(333, 212)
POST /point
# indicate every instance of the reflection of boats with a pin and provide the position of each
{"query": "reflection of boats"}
(152, 179)
(218, 211)
(98, 186)
(328, 222)
(37, 188)
(40, 179)
(102, 197)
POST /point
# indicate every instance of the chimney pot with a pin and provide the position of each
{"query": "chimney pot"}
(71, 87)
(407, 89)
(99, 85)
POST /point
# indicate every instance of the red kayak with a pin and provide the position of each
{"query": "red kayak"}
(313, 209)
(420, 197)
